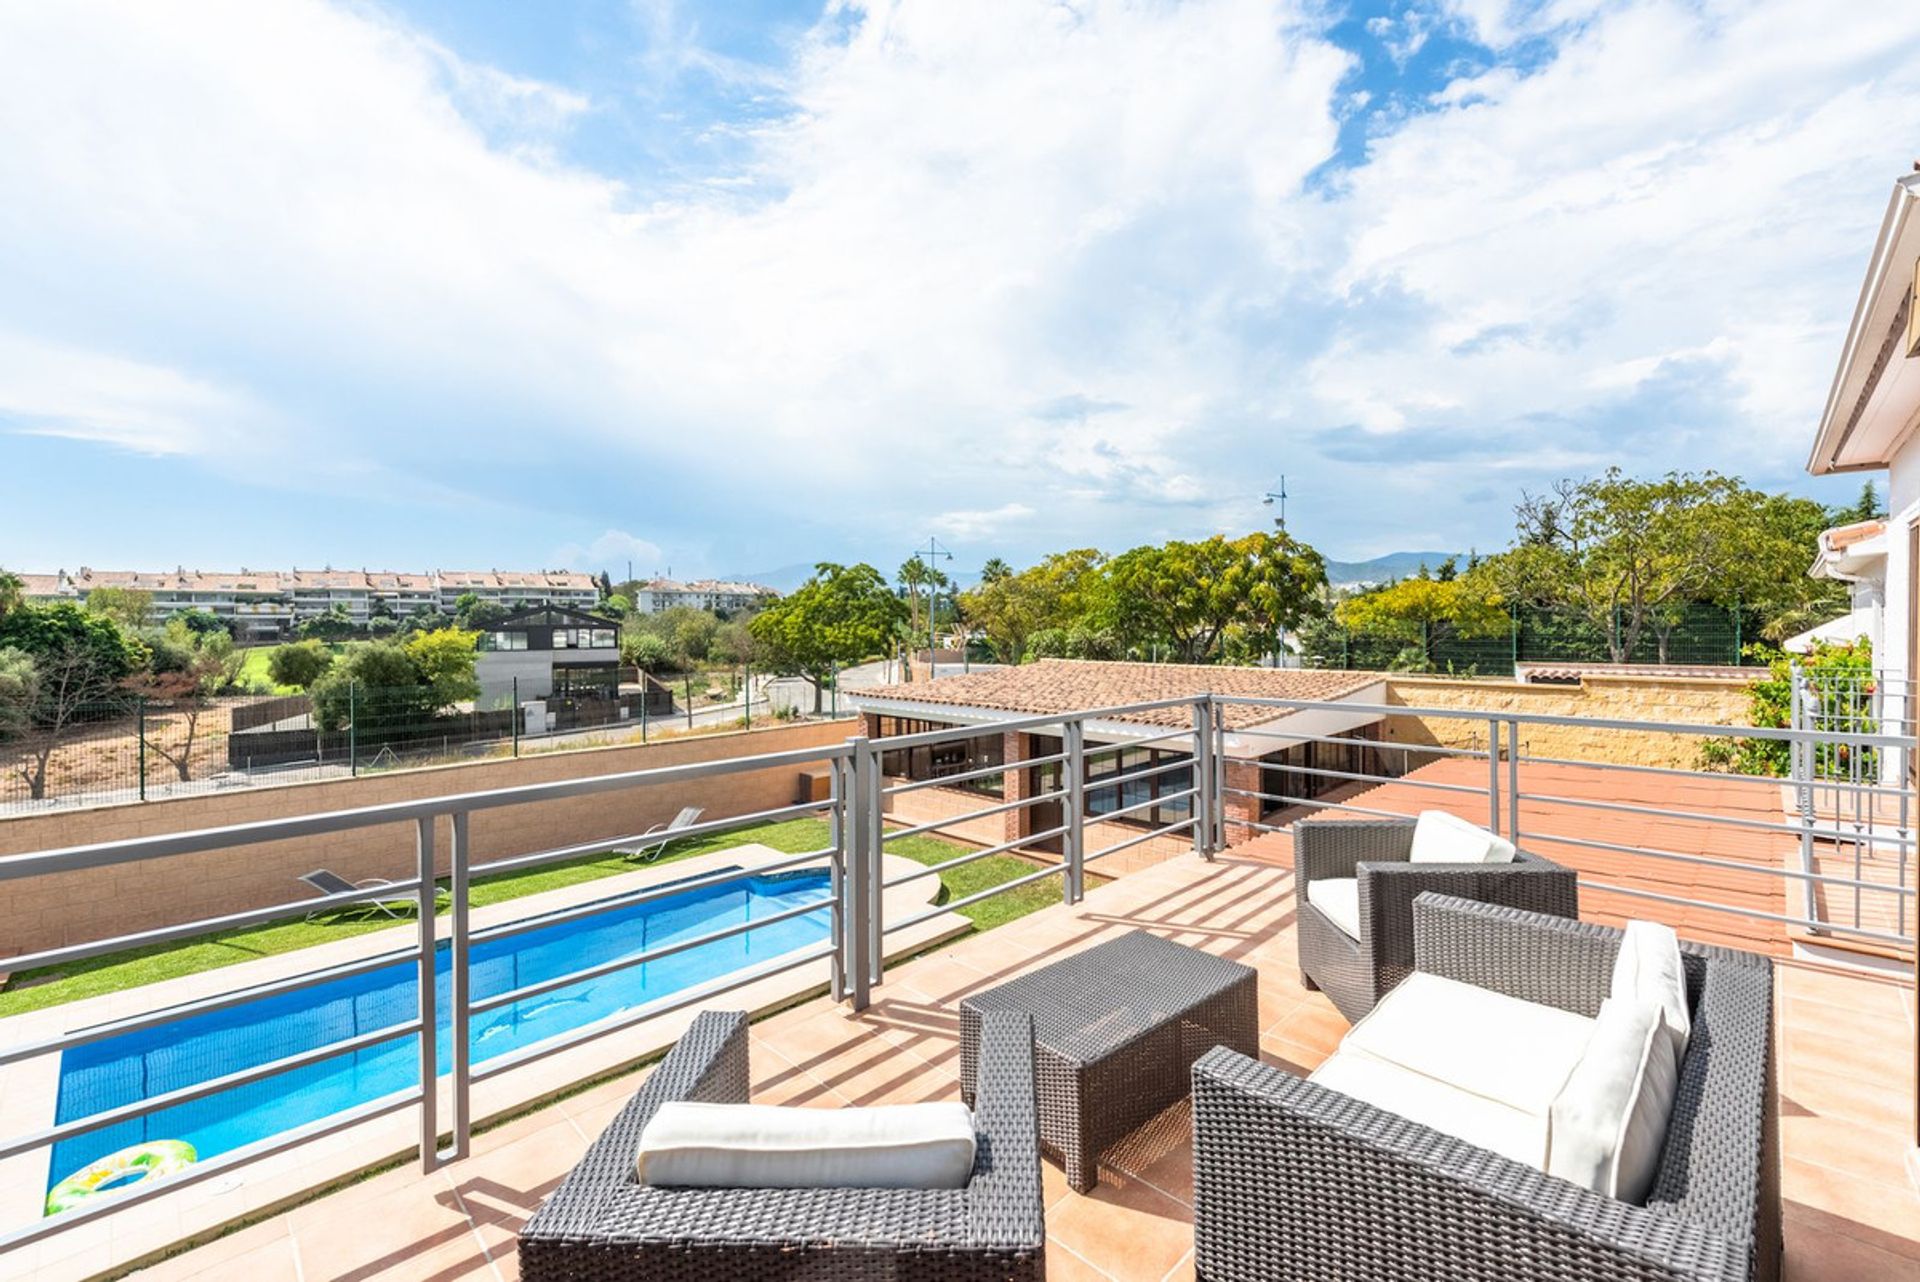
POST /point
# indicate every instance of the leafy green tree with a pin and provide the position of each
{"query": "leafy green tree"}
(994, 570)
(204, 622)
(205, 665)
(1628, 554)
(734, 643)
(445, 659)
(1057, 593)
(378, 688)
(647, 651)
(46, 630)
(13, 593)
(128, 607)
(616, 606)
(1842, 678)
(840, 616)
(1424, 613)
(476, 615)
(299, 663)
(19, 690)
(73, 681)
(1187, 596)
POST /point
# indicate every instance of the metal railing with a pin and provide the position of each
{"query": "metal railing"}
(1064, 808)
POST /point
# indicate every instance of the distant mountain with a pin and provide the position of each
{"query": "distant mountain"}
(1394, 565)
(784, 579)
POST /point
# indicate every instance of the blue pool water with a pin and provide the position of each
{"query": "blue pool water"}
(166, 1057)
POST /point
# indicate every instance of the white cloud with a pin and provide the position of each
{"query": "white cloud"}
(231, 222)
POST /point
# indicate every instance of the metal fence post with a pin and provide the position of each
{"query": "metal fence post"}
(427, 978)
(459, 995)
(1074, 774)
(689, 701)
(1493, 774)
(140, 704)
(837, 872)
(1203, 779)
(1217, 715)
(353, 722)
(859, 833)
(646, 697)
(516, 716)
(834, 696)
(746, 694)
(876, 847)
(1513, 780)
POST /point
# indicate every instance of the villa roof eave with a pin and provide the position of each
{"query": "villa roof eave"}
(1859, 374)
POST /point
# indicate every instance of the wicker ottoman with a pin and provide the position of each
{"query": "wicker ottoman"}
(1116, 1030)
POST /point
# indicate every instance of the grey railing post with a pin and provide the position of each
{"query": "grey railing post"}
(1074, 772)
(1493, 774)
(859, 832)
(429, 1012)
(140, 704)
(459, 998)
(1203, 767)
(876, 846)
(1513, 780)
(1217, 776)
(837, 839)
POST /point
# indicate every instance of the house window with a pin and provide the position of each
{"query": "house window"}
(585, 681)
(941, 760)
(1143, 792)
(505, 641)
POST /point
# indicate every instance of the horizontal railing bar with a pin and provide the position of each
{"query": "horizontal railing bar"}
(722, 877)
(974, 730)
(106, 853)
(1588, 723)
(1331, 805)
(1105, 815)
(1109, 747)
(1361, 777)
(914, 785)
(1709, 861)
(640, 1014)
(1114, 781)
(133, 1194)
(206, 1005)
(954, 905)
(986, 813)
(708, 828)
(1778, 781)
(213, 925)
(1348, 741)
(1731, 821)
(934, 870)
(595, 971)
(1117, 847)
(200, 1090)
(1754, 913)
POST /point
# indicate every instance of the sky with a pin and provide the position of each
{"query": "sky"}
(721, 288)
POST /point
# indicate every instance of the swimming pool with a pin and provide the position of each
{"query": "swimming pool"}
(165, 1057)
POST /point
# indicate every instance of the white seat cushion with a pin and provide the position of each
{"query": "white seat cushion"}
(1609, 1123)
(1339, 899)
(1515, 1053)
(1648, 969)
(906, 1146)
(1482, 1122)
(1441, 838)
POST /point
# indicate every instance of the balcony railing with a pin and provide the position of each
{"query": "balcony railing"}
(1487, 760)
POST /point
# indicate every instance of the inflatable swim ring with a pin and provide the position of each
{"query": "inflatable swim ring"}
(129, 1166)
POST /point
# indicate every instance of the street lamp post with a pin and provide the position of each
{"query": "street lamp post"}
(932, 553)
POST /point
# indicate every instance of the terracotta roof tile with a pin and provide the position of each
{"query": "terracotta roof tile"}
(1072, 685)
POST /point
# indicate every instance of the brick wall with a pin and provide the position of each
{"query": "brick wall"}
(75, 907)
(1696, 700)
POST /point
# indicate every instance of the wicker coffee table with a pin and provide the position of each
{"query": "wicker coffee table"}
(1116, 1030)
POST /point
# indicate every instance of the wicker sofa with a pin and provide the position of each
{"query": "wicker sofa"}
(1357, 970)
(1295, 1181)
(601, 1223)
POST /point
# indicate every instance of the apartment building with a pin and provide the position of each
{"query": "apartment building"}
(265, 605)
(719, 595)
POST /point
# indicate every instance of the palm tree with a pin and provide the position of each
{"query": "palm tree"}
(913, 576)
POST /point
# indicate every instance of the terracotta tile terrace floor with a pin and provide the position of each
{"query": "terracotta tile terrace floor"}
(1845, 1055)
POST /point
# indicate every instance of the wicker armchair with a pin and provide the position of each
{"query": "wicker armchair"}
(1293, 1181)
(601, 1223)
(1356, 973)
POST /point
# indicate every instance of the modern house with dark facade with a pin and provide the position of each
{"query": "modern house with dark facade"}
(548, 652)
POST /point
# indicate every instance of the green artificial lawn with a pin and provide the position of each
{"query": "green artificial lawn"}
(35, 990)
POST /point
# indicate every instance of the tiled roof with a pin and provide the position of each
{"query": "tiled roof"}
(1072, 685)
(1577, 671)
(1841, 537)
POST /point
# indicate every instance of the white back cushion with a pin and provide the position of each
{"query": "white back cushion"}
(1442, 838)
(906, 1146)
(1648, 969)
(1606, 1128)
